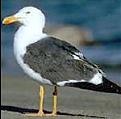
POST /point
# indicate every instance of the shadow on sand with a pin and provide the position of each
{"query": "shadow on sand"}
(25, 110)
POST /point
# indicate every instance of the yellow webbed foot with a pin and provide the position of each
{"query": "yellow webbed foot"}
(35, 114)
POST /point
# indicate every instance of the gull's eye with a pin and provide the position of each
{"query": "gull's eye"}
(28, 12)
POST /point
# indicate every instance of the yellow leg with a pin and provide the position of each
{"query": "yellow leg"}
(40, 112)
(55, 100)
(41, 100)
(54, 110)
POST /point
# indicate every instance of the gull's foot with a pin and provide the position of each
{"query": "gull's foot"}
(40, 114)
(51, 114)
(35, 114)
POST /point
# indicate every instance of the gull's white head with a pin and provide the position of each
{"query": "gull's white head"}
(27, 16)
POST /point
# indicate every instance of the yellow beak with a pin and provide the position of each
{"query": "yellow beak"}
(9, 19)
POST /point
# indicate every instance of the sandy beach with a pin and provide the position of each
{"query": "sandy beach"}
(20, 95)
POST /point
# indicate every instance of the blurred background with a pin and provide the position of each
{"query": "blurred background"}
(93, 26)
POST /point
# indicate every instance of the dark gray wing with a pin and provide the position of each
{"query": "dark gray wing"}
(54, 60)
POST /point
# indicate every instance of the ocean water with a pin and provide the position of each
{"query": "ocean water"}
(102, 18)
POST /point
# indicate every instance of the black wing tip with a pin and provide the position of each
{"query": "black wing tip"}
(110, 87)
(107, 86)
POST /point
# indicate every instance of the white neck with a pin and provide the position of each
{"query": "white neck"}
(24, 36)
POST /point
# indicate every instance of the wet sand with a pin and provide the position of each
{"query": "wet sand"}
(20, 95)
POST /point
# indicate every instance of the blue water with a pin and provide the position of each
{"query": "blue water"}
(102, 18)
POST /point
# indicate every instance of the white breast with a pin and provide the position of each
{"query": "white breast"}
(22, 39)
